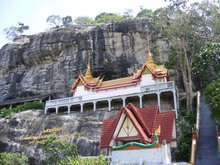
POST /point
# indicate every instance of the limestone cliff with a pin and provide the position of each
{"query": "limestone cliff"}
(49, 62)
(33, 123)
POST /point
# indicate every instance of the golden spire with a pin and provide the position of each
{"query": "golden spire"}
(150, 60)
(88, 74)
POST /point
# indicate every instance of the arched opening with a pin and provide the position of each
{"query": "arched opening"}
(102, 105)
(51, 111)
(150, 100)
(135, 100)
(75, 108)
(167, 101)
(63, 110)
(88, 107)
(116, 104)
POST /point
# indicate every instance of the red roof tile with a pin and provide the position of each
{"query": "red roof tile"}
(145, 120)
(166, 121)
(108, 129)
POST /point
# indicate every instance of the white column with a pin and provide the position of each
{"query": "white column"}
(175, 102)
(158, 101)
(45, 111)
(123, 98)
(10, 106)
(81, 107)
(141, 104)
(56, 110)
(68, 109)
(94, 106)
(109, 104)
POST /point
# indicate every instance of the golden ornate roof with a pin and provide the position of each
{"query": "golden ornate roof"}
(98, 84)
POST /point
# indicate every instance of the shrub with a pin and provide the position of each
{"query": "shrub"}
(57, 150)
(185, 124)
(22, 107)
(212, 96)
(88, 161)
(7, 158)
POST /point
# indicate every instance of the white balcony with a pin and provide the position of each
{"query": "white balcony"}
(111, 94)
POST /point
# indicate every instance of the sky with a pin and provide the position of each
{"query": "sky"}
(34, 13)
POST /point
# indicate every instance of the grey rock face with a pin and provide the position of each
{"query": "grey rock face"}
(49, 62)
(33, 122)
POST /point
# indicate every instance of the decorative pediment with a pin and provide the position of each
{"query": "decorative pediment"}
(143, 125)
(127, 129)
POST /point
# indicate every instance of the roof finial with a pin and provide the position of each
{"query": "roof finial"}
(88, 74)
(148, 46)
(150, 60)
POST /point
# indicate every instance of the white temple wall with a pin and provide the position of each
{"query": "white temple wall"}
(154, 156)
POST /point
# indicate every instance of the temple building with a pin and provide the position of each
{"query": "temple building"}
(139, 136)
(148, 86)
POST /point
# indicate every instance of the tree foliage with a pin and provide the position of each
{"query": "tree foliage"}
(184, 27)
(83, 20)
(57, 150)
(67, 20)
(185, 124)
(13, 32)
(7, 158)
(55, 20)
(108, 17)
(127, 14)
(148, 13)
(22, 107)
(206, 64)
(87, 161)
(212, 95)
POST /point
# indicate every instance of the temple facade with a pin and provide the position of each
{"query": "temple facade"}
(148, 86)
(139, 136)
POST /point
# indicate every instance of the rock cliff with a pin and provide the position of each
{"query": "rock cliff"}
(32, 123)
(49, 62)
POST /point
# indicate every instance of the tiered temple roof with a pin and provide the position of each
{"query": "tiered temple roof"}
(145, 120)
(97, 84)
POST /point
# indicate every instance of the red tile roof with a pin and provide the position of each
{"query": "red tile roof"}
(145, 120)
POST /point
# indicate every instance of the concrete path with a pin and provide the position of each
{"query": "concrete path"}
(207, 153)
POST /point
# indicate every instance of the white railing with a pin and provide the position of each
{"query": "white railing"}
(158, 87)
(64, 101)
(78, 100)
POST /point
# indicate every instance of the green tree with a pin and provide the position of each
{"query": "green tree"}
(83, 20)
(185, 124)
(212, 95)
(55, 20)
(57, 150)
(148, 13)
(206, 64)
(180, 24)
(87, 161)
(67, 20)
(7, 158)
(108, 17)
(13, 32)
(128, 14)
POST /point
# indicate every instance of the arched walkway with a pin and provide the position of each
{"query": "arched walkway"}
(102, 105)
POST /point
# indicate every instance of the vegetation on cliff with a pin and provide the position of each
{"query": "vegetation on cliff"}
(22, 107)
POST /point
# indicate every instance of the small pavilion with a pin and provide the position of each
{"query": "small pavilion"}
(139, 136)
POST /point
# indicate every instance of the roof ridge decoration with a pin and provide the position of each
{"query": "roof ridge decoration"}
(88, 80)
(97, 84)
(161, 128)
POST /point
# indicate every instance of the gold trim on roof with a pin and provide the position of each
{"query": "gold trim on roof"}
(88, 74)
